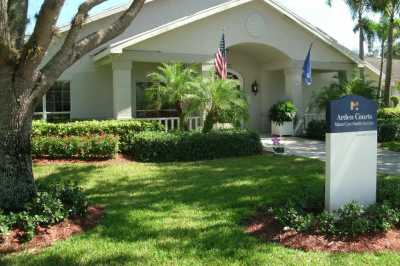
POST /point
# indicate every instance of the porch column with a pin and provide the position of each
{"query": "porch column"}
(294, 92)
(294, 88)
(122, 90)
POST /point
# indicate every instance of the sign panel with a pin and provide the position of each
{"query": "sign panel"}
(351, 114)
(351, 148)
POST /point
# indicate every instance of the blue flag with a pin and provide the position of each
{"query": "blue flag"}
(307, 69)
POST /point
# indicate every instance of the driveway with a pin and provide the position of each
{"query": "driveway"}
(388, 161)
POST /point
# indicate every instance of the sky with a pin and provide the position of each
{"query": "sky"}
(335, 20)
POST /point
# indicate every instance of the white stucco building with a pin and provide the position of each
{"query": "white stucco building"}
(266, 43)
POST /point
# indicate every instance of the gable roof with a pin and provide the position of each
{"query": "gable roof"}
(117, 47)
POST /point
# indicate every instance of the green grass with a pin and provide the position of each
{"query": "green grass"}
(186, 214)
(393, 146)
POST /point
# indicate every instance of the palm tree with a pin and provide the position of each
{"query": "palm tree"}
(173, 84)
(381, 33)
(390, 9)
(223, 101)
(358, 9)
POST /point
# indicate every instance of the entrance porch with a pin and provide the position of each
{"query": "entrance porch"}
(278, 76)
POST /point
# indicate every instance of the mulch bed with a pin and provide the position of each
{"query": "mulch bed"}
(46, 236)
(269, 230)
(119, 159)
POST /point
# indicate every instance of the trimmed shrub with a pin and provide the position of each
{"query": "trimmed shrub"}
(304, 212)
(389, 192)
(71, 196)
(388, 124)
(89, 128)
(352, 220)
(46, 208)
(190, 146)
(389, 113)
(395, 100)
(316, 129)
(388, 130)
(85, 148)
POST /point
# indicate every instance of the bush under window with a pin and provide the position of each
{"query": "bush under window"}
(84, 148)
(190, 146)
(89, 128)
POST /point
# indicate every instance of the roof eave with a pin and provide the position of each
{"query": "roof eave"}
(117, 48)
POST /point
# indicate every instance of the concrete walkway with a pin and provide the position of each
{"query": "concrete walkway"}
(388, 161)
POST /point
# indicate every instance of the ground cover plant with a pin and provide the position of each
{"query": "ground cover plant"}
(52, 204)
(187, 213)
(393, 146)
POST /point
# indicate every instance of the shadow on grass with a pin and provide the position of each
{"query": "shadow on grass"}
(184, 208)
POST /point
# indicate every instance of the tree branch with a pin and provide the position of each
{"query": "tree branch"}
(72, 50)
(4, 30)
(37, 45)
(76, 26)
(96, 39)
(5, 47)
(18, 19)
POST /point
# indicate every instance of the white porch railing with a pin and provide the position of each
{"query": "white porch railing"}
(172, 123)
(44, 115)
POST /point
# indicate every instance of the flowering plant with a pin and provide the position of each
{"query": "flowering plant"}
(277, 145)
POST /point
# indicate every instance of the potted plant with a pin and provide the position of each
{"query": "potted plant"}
(282, 115)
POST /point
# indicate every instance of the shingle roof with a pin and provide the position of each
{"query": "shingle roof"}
(376, 62)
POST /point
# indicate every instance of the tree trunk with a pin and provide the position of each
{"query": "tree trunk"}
(389, 63)
(17, 185)
(361, 44)
(381, 68)
(181, 115)
(209, 122)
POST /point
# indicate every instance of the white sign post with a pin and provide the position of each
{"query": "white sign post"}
(351, 148)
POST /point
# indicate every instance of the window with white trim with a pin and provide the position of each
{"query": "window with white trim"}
(56, 104)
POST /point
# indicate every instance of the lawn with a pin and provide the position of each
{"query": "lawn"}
(186, 214)
(393, 146)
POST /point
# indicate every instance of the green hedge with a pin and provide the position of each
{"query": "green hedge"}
(388, 124)
(316, 129)
(388, 130)
(84, 148)
(166, 147)
(89, 128)
(389, 114)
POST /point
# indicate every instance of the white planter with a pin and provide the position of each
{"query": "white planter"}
(285, 129)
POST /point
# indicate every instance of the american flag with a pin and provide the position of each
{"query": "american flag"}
(221, 62)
